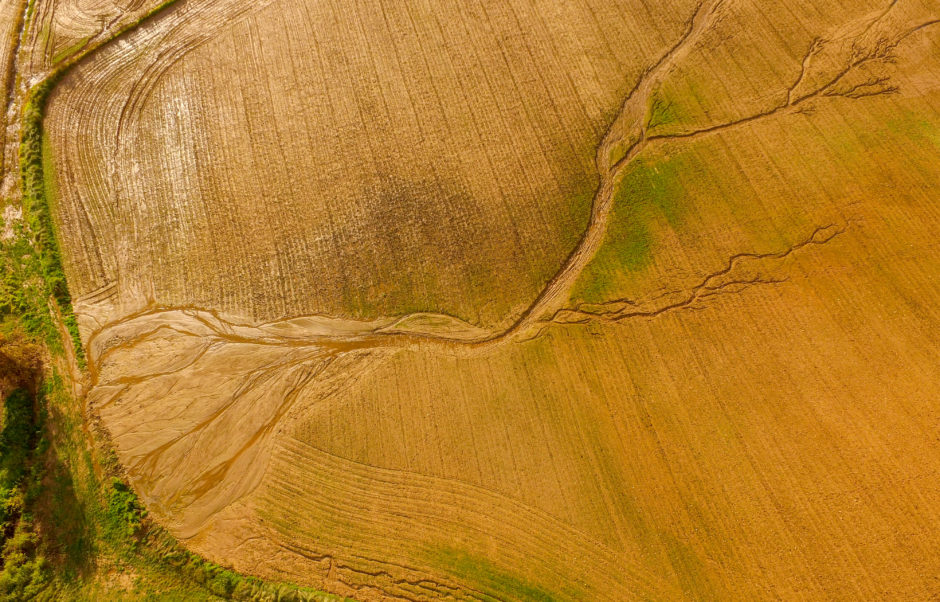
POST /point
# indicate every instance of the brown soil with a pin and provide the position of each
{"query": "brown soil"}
(350, 322)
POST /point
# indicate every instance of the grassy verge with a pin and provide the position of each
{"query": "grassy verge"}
(38, 211)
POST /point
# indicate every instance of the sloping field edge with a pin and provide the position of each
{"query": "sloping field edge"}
(36, 202)
(38, 211)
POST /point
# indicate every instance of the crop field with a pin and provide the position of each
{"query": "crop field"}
(511, 300)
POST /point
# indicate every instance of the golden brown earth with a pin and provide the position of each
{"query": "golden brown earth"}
(520, 299)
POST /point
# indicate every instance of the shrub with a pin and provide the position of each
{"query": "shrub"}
(125, 512)
(16, 442)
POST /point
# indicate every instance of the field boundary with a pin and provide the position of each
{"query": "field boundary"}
(37, 205)
(42, 233)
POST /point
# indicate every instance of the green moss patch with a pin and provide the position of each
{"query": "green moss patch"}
(650, 196)
(488, 577)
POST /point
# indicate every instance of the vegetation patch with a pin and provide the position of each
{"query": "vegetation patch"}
(489, 577)
(674, 106)
(70, 50)
(650, 196)
(37, 204)
(662, 112)
(25, 572)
